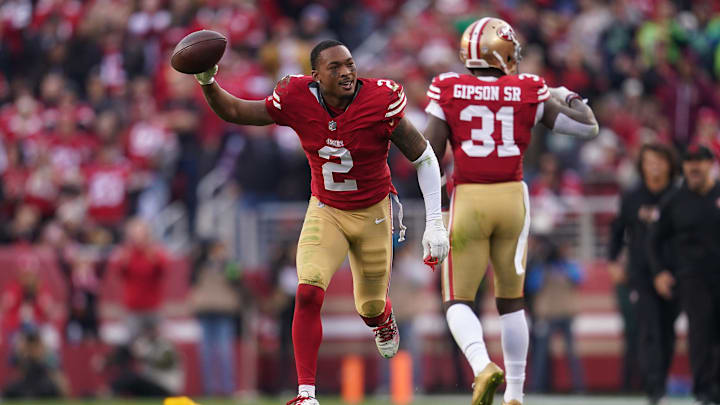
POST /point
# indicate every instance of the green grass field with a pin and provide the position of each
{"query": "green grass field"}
(426, 400)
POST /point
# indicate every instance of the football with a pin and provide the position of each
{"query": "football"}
(198, 51)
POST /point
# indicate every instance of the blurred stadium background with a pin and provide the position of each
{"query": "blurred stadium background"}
(104, 148)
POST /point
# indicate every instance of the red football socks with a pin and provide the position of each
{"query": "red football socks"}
(380, 319)
(307, 331)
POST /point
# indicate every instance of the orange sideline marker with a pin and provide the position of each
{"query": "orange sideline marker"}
(401, 385)
(353, 379)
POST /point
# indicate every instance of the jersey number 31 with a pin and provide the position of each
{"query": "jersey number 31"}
(484, 133)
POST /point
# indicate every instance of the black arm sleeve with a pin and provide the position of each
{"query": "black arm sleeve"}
(617, 230)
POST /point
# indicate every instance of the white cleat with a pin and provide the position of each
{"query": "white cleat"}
(303, 399)
(387, 337)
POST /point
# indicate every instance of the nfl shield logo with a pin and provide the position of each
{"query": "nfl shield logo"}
(332, 125)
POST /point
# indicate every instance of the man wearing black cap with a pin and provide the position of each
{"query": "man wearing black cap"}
(690, 221)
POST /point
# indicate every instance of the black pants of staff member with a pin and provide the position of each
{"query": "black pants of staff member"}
(655, 319)
(631, 376)
(700, 297)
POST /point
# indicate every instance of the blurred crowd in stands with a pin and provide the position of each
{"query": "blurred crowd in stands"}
(96, 127)
(98, 134)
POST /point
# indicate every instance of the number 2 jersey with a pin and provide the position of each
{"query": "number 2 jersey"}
(490, 120)
(348, 152)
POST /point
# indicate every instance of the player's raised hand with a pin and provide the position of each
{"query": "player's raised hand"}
(208, 76)
(435, 243)
(565, 95)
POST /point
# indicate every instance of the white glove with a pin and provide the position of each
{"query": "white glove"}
(435, 242)
(561, 93)
(207, 77)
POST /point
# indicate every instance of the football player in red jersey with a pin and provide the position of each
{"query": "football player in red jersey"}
(487, 117)
(345, 125)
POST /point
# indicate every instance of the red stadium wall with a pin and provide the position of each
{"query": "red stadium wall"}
(600, 354)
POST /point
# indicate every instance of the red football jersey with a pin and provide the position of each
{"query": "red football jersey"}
(490, 121)
(71, 152)
(107, 188)
(145, 141)
(347, 153)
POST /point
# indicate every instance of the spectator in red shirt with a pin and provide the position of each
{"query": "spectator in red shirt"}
(148, 142)
(41, 186)
(708, 130)
(152, 149)
(683, 93)
(69, 148)
(22, 118)
(141, 266)
(554, 191)
(26, 301)
(108, 180)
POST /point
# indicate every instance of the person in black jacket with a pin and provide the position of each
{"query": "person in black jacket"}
(654, 338)
(690, 221)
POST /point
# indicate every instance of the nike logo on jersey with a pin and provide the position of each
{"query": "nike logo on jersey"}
(379, 220)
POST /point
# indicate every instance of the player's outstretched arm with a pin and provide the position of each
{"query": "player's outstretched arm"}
(229, 107)
(437, 133)
(412, 144)
(566, 113)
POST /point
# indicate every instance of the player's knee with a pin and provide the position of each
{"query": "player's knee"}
(372, 308)
(448, 304)
(309, 296)
(509, 305)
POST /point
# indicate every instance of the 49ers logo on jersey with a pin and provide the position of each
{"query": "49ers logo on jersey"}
(506, 32)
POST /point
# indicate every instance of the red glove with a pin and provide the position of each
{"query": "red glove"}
(431, 262)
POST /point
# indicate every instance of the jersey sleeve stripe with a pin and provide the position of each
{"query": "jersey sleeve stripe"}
(277, 105)
(543, 89)
(434, 89)
(275, 96)
(447, 75)
(400, 100)
(544, 96)
(434, 109)
(397, 110)
(433, 95)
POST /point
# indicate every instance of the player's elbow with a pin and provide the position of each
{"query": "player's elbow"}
(593, 132)
(594, 128)
(568, 126)
(426, 158)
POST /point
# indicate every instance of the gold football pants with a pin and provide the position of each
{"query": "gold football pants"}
(488, 222)
(329, 234)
